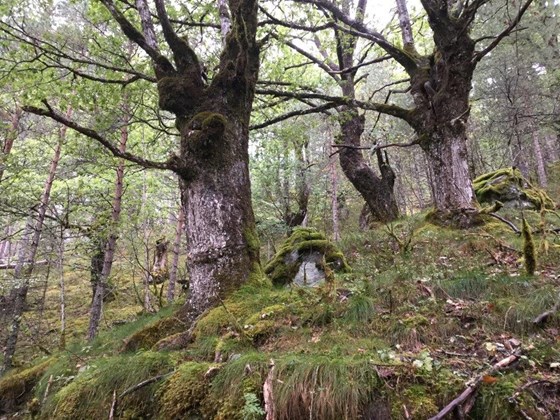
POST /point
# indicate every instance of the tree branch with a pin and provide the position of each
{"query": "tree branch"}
(161, 63)
(393, 110)
(361, 30)
(315, 110)
(51, 113)
(479, 55)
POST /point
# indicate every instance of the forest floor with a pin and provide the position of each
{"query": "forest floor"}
(426, 315)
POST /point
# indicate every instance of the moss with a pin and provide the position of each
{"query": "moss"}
(15, 388)
(419, 402)
(148, 336)
(182, 393)
(285, 264)
(509, 185)
(529, 254)
(90, 394)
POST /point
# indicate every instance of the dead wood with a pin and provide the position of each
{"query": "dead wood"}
(473, 385)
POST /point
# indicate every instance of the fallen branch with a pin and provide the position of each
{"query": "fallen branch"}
(542, 318)
(507, 222)
(11, 266)
(473, 385)
(132, 389)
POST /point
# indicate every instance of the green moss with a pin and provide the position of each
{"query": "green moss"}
(148, 336)
(508, 185)
(16, 387)
(90, 394)
(182, 393)
(179, 95)
(419, 402)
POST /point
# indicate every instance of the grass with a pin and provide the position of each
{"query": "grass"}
(401, 333)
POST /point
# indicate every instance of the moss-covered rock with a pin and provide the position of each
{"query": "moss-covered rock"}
(508, 186)
(15, 387)
(305, 248)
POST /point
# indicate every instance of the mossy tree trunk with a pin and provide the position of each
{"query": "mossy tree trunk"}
(213, 121)
(377, 191)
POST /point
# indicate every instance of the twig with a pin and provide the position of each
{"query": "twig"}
(113, 405)
(473, 385)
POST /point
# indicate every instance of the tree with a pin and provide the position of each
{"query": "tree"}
(213, 121)
(439, 86)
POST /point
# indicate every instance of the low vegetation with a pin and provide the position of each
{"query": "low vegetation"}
(424, 312)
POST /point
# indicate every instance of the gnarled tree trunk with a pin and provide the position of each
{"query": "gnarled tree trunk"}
(377, 191)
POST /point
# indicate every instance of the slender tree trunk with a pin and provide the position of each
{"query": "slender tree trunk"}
(62, 339)
(539, 161)
(176, 251)
(377, 191)
(96, 309)
(27, 256)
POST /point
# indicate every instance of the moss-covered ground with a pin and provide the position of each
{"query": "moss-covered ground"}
(423, 311)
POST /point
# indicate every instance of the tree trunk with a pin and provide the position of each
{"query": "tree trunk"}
(441, 95)
(26, 258)
(213, 121)
(334, 200)
(539, 161)
(222, 247)
(108, 253)
(376, 191)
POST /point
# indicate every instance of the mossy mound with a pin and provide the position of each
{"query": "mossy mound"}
(148, 336)
(508, 186)
(304, 246)
(181, 395)
(90, 393)
(15, 388)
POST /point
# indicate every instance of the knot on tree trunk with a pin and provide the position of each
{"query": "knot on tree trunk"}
(205, 134)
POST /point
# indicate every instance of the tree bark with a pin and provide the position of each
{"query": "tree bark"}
(377, 191)
(222, 246)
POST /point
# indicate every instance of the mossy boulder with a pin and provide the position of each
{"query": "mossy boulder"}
(15, 388)
(305, 258)
(508, 186)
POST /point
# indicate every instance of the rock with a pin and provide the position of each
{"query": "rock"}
(508, 186)
(304, 259)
